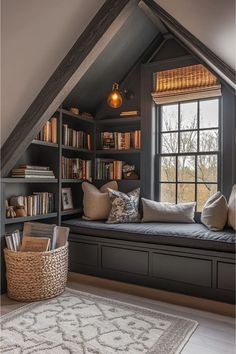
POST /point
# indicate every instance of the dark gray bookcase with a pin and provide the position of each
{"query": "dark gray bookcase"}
(49, 154)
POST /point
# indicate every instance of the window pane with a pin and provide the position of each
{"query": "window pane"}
(169, 143)
(186, 192)
(169, 115)
(167, 192)
(188, 141)
(204, 191)
(188, 115)
(186, 168)
(168, 169)
(207, 168)
(209, 113)
(208, 140)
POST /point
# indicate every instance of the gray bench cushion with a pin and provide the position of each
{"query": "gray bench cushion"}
(185, 235)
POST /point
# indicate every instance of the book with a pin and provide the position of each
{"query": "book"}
(62, 234)
(41, 230)
(33, 167)
(35, 244)
(129, 113)
(54, 130)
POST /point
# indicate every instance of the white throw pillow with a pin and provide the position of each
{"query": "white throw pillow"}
(97, 204)
(232, 208)
(215, 211)
(167, 212)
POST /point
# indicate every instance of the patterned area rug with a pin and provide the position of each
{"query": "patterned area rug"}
(82, 323)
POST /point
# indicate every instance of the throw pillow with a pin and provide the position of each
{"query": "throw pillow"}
(125, 207)
(215, 211)
(97, 204)
(232, 208)
(167, 212)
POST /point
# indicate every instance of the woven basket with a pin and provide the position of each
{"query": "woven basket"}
(35, 276)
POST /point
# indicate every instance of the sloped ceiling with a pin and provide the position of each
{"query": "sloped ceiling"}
(114, 62)
(211, 21)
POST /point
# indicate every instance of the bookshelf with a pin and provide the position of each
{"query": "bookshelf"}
(50, 154)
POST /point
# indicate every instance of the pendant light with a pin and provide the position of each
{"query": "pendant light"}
(114, 99)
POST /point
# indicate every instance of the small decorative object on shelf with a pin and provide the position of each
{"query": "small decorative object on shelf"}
(66, 198)
(75, 138)
(129, 113)
(39, 203)
(49, 131)
(30, 171)
(76, 168)
(129, 172)
(74, 110)
(87, 115)
(10, 212)
(121, 140)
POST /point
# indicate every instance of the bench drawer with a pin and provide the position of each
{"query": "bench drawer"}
(182, 269)
(125, 260)
(226, 276)
(83, 253)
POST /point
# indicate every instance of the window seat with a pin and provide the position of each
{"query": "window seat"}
(184, 258)
(175, 234)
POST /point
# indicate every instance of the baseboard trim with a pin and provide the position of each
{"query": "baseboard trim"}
(202, 304)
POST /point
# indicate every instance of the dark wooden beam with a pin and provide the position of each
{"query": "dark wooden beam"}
(222, 69)
(108, 20)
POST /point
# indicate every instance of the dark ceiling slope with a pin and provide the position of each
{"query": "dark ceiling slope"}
(114, 62)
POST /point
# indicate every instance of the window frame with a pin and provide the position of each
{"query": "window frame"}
(159, 154)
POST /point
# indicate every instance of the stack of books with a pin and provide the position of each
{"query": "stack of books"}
(121, 141)
(107, 169)
(37, 237)
(39, 203)
(49, 131)
(31, 171)
(78, 139)
(76, 168)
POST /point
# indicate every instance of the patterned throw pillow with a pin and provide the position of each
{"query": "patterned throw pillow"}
(124, 206)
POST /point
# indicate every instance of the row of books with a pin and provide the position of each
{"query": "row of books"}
(31, 171)
(78, 139)
(37, 237)
(107, 169)
(121, 140)
(39, 203)
(49, 131)
(76, 168)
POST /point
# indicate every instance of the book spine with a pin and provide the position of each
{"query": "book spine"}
(54, 130)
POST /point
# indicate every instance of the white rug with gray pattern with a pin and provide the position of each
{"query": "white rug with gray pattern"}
(81, 323)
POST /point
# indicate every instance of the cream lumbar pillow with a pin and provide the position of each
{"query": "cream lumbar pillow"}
(96, 202)
(215, 211)
(167, 212)
(232, 208)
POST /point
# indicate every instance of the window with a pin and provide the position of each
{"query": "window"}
(188, 151)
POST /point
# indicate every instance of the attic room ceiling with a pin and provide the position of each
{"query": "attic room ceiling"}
(116, 60)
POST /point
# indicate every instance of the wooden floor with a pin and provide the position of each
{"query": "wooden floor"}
(215, 333)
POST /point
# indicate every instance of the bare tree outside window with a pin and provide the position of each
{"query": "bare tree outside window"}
(189, 149)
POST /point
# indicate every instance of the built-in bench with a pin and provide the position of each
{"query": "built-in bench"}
(185, 258)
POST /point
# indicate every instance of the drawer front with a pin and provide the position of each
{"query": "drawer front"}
(83, 253)
(226, 276)
(125, 260)
(183, 269)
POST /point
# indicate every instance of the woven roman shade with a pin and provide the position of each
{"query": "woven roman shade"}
(184, 84)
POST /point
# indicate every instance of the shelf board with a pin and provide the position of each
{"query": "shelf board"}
(71, 212)
(117, 180)
(29, 218)
(113, 151)
(29, 180)
(66, 147)
(120, 120)
(72, 180)
(44, 143)
(78, 117)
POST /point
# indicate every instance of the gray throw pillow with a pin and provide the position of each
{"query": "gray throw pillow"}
(215, 211)
(167, 212)
(232, 208)
(125, 207)
(96, 202)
